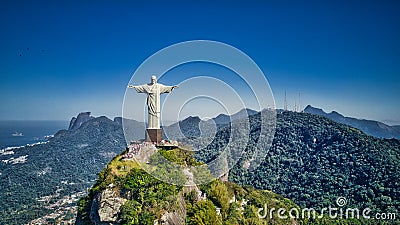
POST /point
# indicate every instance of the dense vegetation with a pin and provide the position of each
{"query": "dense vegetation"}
(342, 162)
(68, 164)
(221, 203)
(148, 199)
(314, 160)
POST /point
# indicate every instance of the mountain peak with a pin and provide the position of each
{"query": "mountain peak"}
(192, 118)
(313, 110)
(226, 119)
(79, 120)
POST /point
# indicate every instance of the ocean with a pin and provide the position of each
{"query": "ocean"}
(21, 133)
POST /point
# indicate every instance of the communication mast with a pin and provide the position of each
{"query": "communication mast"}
(300, 110)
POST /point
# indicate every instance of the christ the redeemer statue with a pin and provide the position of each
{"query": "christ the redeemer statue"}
(153, 91)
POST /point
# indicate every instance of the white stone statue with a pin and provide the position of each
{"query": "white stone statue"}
(153, 91)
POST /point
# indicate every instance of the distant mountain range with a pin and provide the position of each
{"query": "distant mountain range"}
(226, 119)
(396, 127)
(192, 127)
(312, 161)
(370, 127)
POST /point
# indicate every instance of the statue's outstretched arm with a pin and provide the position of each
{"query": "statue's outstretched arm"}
(166, 89)
(139, 88)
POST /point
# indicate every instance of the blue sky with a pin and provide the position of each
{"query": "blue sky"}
(59, 58)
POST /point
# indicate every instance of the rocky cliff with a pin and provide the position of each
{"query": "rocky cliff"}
(79, 120)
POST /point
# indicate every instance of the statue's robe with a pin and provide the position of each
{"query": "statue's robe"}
(153, 92)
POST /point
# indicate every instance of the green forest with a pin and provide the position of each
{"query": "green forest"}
(148, 199)
(314, 160)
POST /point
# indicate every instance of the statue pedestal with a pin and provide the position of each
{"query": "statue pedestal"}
(153, 135)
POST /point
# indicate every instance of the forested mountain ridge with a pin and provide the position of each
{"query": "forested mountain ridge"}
(343, 161)
(55, 173)
(314, 160)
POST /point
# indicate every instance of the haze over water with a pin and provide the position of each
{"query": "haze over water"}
(32, 131)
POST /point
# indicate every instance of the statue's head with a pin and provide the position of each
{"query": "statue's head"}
(153, 79)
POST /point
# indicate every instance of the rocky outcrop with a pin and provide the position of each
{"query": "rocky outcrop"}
(79, 120)
(177, 217)
(106, 207)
